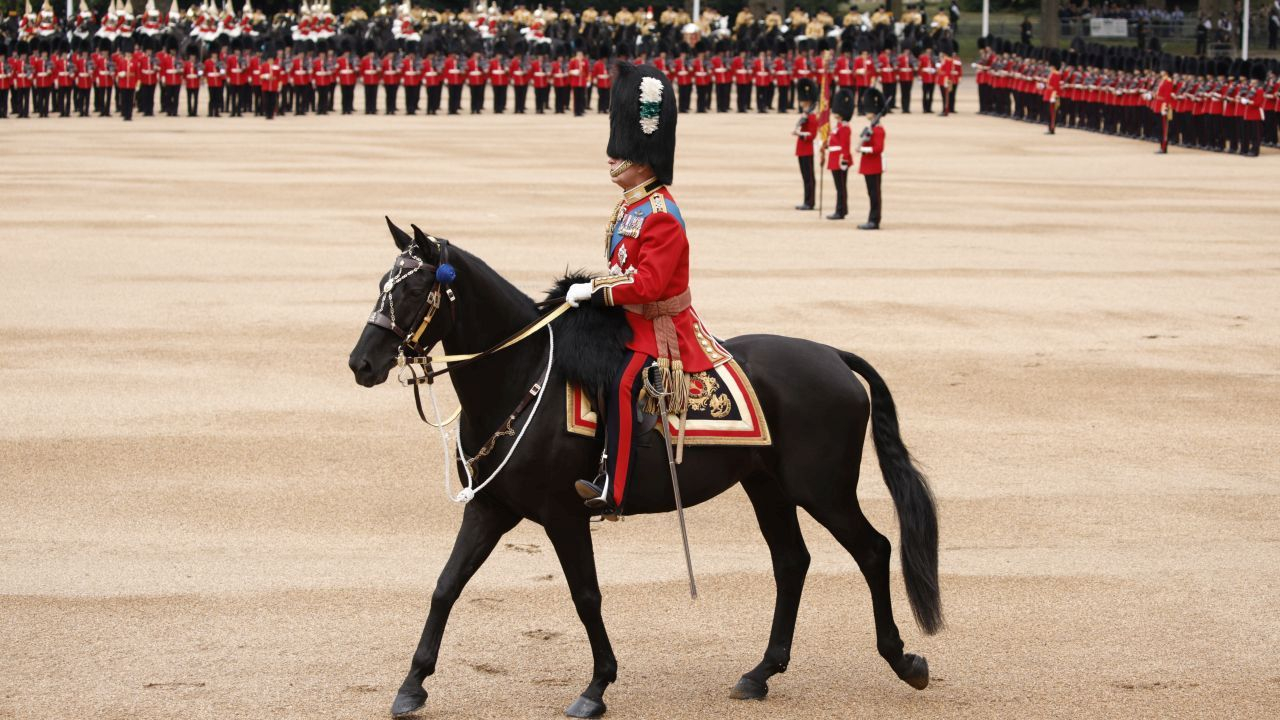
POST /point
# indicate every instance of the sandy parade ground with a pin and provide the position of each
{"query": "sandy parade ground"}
(204, 517)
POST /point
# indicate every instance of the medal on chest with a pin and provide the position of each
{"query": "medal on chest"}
(630, 225)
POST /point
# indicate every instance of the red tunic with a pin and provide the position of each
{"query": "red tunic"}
(650, 262)
(808, 131)
(839, 154)
(872, 163)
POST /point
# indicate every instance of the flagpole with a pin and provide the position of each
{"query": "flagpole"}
(824, 130)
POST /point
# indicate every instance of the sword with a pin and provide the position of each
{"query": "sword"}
(675, 479)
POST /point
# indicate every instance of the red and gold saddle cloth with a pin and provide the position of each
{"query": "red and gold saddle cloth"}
(723, 410)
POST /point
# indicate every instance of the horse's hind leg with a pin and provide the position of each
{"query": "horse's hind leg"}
(483, 524)
(871, 550)
(777, 517)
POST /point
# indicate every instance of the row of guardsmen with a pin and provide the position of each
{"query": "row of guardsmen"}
(1217, 105)
(60, 83)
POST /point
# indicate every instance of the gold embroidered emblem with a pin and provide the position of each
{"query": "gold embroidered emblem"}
(720, 406)
(702, 396)
(658, 202)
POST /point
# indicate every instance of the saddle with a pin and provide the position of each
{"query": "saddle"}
(723, 410)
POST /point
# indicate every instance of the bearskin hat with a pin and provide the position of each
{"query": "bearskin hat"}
(842, 103)
(642, 118)
(807, 90)
(873, 101)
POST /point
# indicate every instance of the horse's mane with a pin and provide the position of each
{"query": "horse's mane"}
(590, 340)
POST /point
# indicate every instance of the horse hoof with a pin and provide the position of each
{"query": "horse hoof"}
(408, 702)
(915, 672)
(749, 689)
(585, 707)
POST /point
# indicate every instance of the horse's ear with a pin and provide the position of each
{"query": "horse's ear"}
(403, 241)
(420, 237)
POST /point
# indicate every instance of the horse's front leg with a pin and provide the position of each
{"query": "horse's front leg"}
(483, 524)
(571, 538)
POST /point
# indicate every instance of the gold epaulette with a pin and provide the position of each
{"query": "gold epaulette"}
(658, 202)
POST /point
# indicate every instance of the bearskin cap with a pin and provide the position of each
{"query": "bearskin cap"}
(842, 103)
(642, 118)
(807, 90)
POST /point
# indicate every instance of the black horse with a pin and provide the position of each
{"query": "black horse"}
(817, 413)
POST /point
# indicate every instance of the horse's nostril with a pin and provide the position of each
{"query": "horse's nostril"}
(359, 366)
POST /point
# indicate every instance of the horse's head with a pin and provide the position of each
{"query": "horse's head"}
(414, 310)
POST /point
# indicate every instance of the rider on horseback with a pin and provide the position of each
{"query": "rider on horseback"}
(648, 253)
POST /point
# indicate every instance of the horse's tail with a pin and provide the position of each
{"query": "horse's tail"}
(917, 516)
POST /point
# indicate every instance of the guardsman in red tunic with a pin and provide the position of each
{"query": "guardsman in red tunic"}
(888, 75)
(579, 80)
(648, 253)
(683, 75)
(742, 78)
(148, 77)
(411, 78)
(928, 79)
(499, 79)
(269, 79)
(520, 81)
(762, 78)
(701, 81)
(476, 82)
(1253, 99)
(83, 81)
(541, 78)
(433, 80)
(560, 84)
(1164, 106)
(126, 83)
(806, 132)
(62, 82)
(6, 81)
(347, 81)
(191, 79)
(871, 163)
(215, 75)
(454, 77)
(103, 81)
(837, 147)
(724, 85)
(1052, 88)
(370, 75)
(390, 81)
(324, 74)
(20, 69)
(864, 75)
(906, 78)
(782, 78)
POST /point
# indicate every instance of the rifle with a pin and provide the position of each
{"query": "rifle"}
(866, 132)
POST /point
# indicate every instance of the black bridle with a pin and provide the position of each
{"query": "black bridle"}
(407, 264)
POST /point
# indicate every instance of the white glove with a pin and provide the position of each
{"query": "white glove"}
(578, 294)
(865, 150)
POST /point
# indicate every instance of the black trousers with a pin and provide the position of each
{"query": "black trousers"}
(125, 100)
(147, 100)
(579, 100)
(541, 96)
(685, 95)
(348, 99)
(434, 92)
(80, 98)
(391, 91)
(806, 176)
(370, 99)
(455, 99)
(22, 102)
(193, 102)
(4, 103)
(269, 104)
(926, 96)
(724, 97)
(562, 99)
(412, 94)
(904, 94)
(62, 101)
(42, 101)
(499, 99)
(522, 97)
(1251, 137)
(704, 98)
(602, 100)
(477, 99)
(873, 194)
(744, 98)
(764, 98)
(841, 178)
